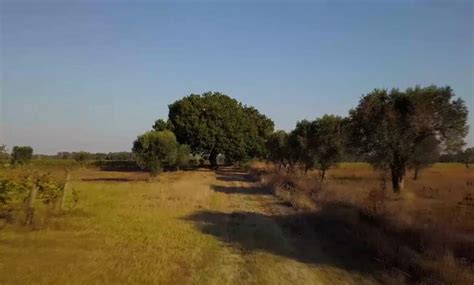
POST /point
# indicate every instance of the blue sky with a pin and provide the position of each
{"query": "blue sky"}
(92, 75)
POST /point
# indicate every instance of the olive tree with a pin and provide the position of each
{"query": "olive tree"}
(278, 150)
(388, 126)
(155, 150)
(326, 142)
(300, 142)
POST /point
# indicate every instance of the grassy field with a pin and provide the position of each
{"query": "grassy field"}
(194, 227)
(205, 227)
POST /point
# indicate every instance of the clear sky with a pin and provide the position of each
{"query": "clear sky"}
(92, 75)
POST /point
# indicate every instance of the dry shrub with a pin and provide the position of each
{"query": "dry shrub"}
(298, 190)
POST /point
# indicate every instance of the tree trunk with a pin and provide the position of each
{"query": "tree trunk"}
(467, 164)
(213, 159)
(415, 174)
(306, 169)
(398, 178)
(322, 174)
(30, 207)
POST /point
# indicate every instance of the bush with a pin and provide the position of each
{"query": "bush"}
(155, 150)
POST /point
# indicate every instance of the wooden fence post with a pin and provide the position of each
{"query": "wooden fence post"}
(30, 208)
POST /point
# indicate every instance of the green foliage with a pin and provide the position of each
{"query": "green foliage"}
(3, 153)
(162, 125)
(81, 157)
(326, 142)
(14, 193)
(49, 190)
(183, 157)
(387, 126)
(214, 123)
(425, 153)
(155, 150)
(21, 154)
(278, 148)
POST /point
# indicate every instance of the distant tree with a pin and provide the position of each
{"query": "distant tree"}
(466, 156)
(155, 150)
(301, 144)
(277, 145)
(81, 157)
(279, 150)
(162, 125)
(214, 123)
(123, 155)
(98, 156)
(425, 153)
(326, 142)
(21, 154)
(183, 156)
(64, 155)
(3, 152)
(387, 126)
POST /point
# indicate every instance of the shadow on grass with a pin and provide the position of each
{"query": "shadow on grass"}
(229, 174)
(104, 179)
(241, 190)
(319, 238)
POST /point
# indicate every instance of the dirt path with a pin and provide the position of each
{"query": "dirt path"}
(266, 241)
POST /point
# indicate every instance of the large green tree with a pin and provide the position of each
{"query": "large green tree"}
(155, 150)
(387, 127)
(214, 123)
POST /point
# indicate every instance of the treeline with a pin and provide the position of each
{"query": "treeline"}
(394, 130)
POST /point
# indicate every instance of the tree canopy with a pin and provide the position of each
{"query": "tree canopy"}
(214, 123)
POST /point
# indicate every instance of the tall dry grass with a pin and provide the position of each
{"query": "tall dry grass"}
(425, 235)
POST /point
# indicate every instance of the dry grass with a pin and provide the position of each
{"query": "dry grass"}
(425, 235)
(196, 227)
